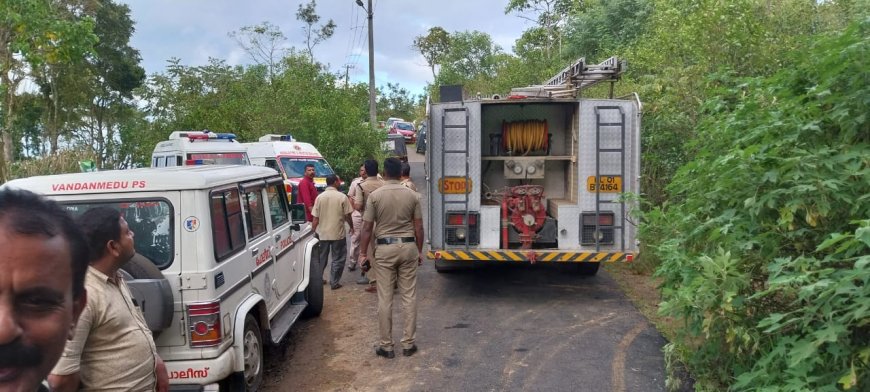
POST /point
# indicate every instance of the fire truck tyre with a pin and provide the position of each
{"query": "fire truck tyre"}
(140, 267)
(252, 350)
(446, 267)
(314, 291)
(587, 269)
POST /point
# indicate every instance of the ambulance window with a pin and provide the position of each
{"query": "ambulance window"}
(277, 204)
(158, 162)
(179, 161)
(227, 227)
(271, 163)
(254, 212)
(169, 161)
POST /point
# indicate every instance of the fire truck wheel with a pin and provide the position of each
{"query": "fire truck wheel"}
(587, 269)
(443, 267)
(252, 344)
(314, 291)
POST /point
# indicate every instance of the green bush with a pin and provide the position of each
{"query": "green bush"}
(765, 240)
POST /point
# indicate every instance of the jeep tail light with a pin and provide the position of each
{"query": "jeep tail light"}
(204, 322)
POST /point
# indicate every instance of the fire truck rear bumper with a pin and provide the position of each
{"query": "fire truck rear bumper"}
(529, 256)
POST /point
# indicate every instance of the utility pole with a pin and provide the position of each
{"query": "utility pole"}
(347, 68)
(373, 112)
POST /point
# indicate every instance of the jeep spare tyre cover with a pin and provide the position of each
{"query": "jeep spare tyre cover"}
(151, 292)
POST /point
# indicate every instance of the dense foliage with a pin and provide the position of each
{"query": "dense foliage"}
(765, 241)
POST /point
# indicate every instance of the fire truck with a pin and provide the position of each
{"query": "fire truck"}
(543, 175)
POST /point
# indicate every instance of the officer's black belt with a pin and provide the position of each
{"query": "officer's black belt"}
(394, 240)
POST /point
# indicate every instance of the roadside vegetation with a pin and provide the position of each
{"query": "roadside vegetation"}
(755, 218)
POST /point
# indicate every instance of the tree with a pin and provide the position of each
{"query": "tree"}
(396, 102)
(473, 60)
(34, 32)
(263, 43)
(604, 27)
(550, 17)
(433, 46)
(313, 35)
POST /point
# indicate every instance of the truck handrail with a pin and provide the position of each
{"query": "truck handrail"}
(636, 97)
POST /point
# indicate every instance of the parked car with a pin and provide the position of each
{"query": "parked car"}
(395, 147)
(406, 129)
(421, 139)
(392, 120)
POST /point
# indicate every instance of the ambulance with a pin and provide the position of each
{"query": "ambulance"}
(224, 266)
(188, 148)
(289, 157)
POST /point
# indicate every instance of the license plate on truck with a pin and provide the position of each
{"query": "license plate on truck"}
(606, 184)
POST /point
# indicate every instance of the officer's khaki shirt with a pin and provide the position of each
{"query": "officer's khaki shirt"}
(393, 207)
(409, 184)
(112, 348)
(368, 186)
(330, 208)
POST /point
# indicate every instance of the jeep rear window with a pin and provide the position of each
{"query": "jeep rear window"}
(295, 167)
(151, 223)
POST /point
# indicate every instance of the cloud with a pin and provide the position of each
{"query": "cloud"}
(194, 30)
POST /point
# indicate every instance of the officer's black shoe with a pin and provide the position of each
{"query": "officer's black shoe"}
(385, 353)
(409, 351)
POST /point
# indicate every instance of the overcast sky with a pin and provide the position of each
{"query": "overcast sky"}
(194, 30)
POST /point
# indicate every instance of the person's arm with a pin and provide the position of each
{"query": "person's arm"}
(349, 221)
(365, 238)
(314, 223)
(64, 383)
(418, 238)
(358, 199)
(65, 375)
(162, 375)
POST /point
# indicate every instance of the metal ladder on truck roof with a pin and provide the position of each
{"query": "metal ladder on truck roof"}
(620, 149)
(445, 154)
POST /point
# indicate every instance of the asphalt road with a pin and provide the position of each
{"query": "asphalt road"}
(498, 328)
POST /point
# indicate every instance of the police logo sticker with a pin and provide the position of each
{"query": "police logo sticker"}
(191, 224)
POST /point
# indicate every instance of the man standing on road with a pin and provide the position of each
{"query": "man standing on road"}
(371, 183)
(406, 177)
(356, 217)
(331, 210)
(112, 347)
(307, 191)
(394, 216)
(42, 290)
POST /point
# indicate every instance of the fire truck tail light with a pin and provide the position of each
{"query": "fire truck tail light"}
(459, 219)
(204, 323)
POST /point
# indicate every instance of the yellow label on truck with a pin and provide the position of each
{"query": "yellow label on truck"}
(454, 185)
(606, 184)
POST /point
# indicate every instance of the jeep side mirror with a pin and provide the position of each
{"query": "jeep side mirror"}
(297, 215)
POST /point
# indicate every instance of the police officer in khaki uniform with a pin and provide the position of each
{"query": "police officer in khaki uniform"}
(393, 215)
(366, 187)
(406, 177)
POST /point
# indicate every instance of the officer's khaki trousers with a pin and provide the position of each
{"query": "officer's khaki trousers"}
(392, 262)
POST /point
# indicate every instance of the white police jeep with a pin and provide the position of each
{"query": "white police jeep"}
(223, 265)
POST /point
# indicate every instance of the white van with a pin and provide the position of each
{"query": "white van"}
(285, 154)
(188, 148)
(224, 265)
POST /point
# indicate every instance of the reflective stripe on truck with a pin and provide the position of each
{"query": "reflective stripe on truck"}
(545, 256)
